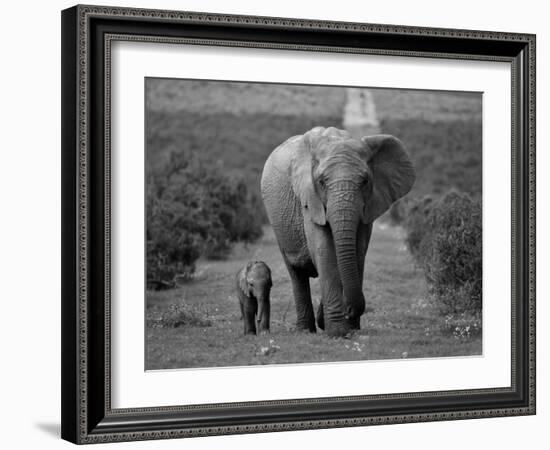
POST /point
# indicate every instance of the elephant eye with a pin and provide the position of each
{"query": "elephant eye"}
(322, 182)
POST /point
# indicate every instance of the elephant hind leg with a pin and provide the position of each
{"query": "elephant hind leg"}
(305, 319)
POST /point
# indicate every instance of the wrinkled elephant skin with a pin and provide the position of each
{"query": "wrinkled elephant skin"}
(322, 192)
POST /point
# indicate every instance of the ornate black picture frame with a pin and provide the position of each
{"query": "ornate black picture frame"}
(87, 34)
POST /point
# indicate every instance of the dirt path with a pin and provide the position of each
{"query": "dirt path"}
(360, 117)
(403, 323)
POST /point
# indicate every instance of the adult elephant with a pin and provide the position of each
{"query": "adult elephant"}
(322, 192)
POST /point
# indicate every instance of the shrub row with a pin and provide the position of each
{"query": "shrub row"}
(194, 208)
(444, 235)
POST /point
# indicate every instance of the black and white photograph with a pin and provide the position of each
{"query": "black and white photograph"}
(291, 223)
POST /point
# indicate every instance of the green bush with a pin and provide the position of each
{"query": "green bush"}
(417, 222)
(194, 209)
(444, 236)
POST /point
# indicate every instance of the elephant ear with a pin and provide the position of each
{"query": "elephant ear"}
(301, 173)
(392, 172)
(268, 272)
(243, 282)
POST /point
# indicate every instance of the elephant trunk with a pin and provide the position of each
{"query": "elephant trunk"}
(344, 221)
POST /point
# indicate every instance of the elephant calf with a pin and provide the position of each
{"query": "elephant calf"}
(253, 288)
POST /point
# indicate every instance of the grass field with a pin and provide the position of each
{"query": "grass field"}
(431, 106)
(403, 324)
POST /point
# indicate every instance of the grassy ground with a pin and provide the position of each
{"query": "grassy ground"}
(213, 97)
(432, 106)
(403, 324)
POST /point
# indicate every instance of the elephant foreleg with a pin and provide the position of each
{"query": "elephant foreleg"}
(330, 315)
(331, 311)
(305, 319)
(263, 317)
(321, 316)
(250, 310)
(241, 309)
